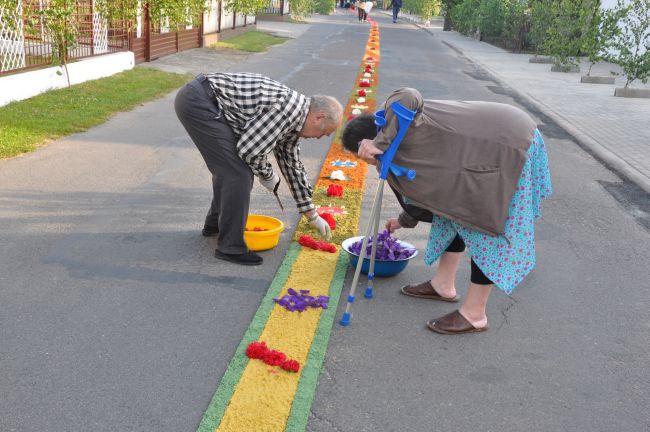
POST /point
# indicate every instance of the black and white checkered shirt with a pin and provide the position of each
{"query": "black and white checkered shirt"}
(266, 116)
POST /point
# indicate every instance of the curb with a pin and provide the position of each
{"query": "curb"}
(615, 163)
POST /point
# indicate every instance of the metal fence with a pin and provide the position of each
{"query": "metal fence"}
(275, 7)
(25, 44)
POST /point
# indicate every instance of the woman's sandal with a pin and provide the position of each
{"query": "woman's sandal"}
(427, 291)
(453, 323)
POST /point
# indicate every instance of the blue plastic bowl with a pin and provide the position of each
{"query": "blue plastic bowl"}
(382, 268)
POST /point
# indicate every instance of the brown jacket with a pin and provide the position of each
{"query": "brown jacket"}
(468, 157)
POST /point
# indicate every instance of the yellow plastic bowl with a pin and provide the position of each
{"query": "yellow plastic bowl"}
(262, 240)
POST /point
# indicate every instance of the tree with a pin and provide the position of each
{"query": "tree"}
(631, 45)
(60, 25)
(602, 29)
(565, 34)
(174, 13)
(447, 6)
(246, 7)
(540, 19)
(516, 24)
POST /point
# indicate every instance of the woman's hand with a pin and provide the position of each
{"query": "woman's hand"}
(368, 150)
(392, 225)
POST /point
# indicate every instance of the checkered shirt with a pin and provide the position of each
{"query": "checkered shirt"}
(266, 116)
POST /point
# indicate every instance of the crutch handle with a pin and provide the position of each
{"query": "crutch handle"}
(404, 117)
(399, 171)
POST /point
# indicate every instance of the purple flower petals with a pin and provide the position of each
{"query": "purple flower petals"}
(294, 301)
(388, 249)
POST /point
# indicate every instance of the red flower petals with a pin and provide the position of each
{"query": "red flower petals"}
(312, 243)
(334, 190)
(291, 366)
(329, 219)
(361, 93)
(259, 351)
(364, 84)
(256, 350)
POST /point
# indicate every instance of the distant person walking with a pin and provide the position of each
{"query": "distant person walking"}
(361, 12)
(397, 5)
(367, 7)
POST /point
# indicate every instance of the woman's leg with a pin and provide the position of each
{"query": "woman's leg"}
(477, 296)
(471, 316)
(443, 285)
(473, 309)
(445, 279)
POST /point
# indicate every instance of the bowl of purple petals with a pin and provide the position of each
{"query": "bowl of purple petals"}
(391, 257)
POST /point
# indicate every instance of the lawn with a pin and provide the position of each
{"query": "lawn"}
(28, 124)
(251, 41)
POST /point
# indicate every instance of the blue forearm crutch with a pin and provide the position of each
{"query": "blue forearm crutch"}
(404, 116)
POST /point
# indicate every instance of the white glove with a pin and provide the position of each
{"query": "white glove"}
(271, 184)
(321, 226)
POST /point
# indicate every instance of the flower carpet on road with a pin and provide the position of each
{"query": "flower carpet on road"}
(270, 382)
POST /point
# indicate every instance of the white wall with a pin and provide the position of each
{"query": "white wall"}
(210, 21)
(27, 84)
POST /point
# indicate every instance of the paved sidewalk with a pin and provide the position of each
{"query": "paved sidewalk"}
(614, 129)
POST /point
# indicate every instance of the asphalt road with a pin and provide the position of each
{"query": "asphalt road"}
(568, 351)
(114, 315)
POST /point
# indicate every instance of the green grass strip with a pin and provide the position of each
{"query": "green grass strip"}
(304, 397)
(251, 41)
(24, 125)
(222, 396)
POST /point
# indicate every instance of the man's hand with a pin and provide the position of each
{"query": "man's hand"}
(392, 225)
(319, 224)
(368, 150)
(271, 184)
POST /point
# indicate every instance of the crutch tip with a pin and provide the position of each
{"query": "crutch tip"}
(345, 319)
(369, 293)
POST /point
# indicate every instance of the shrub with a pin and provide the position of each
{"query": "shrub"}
(464, 16)
(425, 9)
(302, 8)
(489, 18)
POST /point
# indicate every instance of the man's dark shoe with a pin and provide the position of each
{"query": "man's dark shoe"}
(210, 231)
(248, 258)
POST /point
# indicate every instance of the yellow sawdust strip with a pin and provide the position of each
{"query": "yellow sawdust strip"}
(262, 400)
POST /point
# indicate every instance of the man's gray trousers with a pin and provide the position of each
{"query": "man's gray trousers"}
(232, 179)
